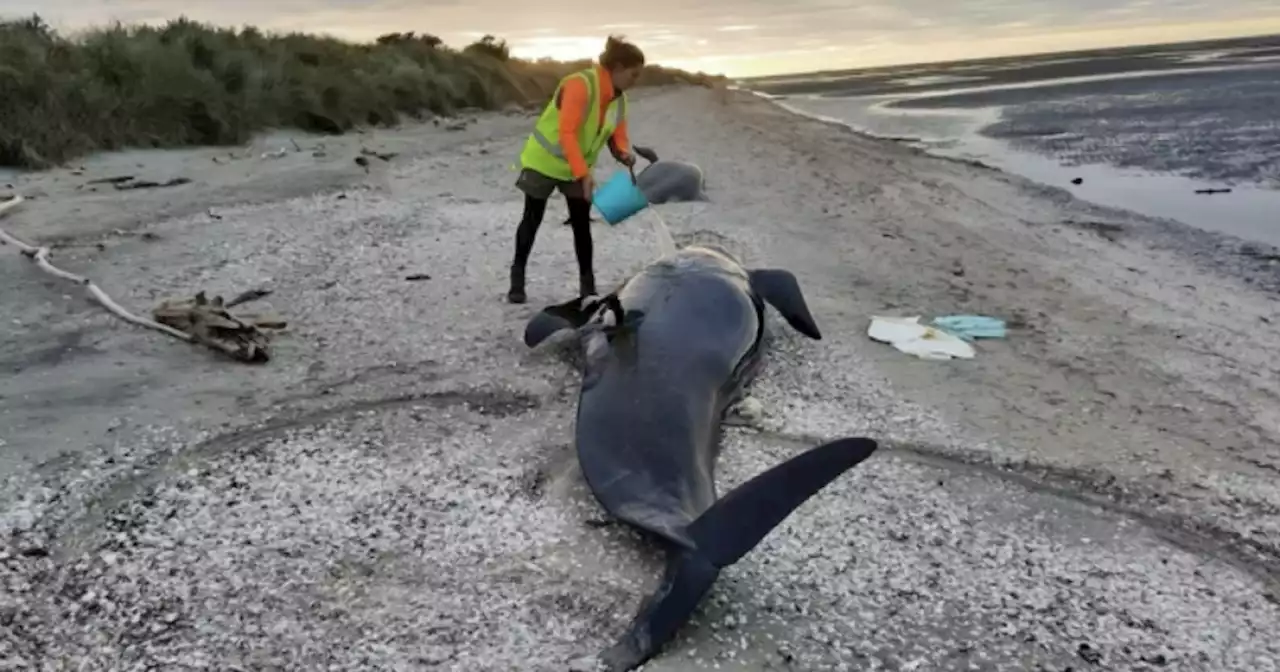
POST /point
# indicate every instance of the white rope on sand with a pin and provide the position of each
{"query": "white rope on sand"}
(40, 257)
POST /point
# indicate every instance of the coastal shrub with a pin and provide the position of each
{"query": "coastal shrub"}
(188, 83)
(489, 46)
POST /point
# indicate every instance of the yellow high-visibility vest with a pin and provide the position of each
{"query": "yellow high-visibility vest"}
(542, 151)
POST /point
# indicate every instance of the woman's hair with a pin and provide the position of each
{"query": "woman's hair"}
(619, 53)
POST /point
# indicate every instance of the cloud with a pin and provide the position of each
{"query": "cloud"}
(675, 30)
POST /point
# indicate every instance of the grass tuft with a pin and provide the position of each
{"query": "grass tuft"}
(188, 83)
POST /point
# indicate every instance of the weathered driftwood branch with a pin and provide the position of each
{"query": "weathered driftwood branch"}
(40, 256)
(208, 321)
(197, 320)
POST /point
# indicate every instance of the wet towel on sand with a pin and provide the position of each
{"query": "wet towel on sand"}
(970, 327)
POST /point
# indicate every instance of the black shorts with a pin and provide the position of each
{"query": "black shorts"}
(537, 185)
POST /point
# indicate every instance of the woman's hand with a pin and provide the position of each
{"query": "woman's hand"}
(588, 186)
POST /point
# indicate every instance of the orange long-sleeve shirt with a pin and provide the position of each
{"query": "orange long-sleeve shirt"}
(574, 104)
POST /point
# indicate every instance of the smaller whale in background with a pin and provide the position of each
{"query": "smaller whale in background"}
(669, 181)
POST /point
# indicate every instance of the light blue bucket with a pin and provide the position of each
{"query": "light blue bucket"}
(619, 198)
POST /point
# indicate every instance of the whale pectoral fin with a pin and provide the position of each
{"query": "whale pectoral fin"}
(782, 291)
(542, 326)
(738, 522)
(568, 315)
(575, 314)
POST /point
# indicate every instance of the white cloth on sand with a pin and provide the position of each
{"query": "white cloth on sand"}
(909, 336)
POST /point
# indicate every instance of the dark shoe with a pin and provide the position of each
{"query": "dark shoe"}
(516, 293)
(586, 285)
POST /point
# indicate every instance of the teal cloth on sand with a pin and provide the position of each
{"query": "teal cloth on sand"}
(970, 327)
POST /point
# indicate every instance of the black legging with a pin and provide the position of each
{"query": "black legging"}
(579, 218)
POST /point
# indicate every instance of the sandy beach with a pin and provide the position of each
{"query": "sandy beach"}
(396, 489)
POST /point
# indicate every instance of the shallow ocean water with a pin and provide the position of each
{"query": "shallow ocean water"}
(1143, 140)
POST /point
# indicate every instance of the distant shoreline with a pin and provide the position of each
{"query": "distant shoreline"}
(1036, 123)
(1270, 43)
(1008, 70)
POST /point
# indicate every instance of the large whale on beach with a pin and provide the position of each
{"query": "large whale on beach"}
(667, 356)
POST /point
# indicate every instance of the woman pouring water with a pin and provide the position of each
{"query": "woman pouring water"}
(588, 111)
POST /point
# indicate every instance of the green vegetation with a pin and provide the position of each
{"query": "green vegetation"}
(188, 83)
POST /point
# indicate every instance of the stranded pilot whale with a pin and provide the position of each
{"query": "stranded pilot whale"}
(666, 356)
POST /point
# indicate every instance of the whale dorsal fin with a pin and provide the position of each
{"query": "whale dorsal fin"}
(782, 291)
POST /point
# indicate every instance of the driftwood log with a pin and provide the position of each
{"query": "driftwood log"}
(195, 320)
(209, 323)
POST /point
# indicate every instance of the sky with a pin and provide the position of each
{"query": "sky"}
(740, 38)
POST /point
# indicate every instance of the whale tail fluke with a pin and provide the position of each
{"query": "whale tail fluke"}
(724, 533)
(740, 520)
(686, 580)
